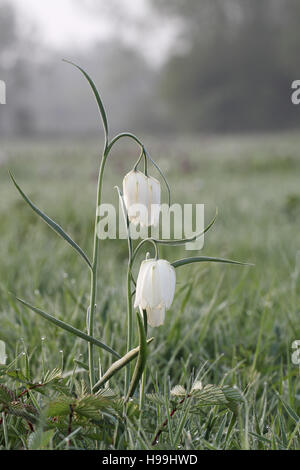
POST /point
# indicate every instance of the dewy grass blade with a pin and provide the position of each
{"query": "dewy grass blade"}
(97, 96)
(69, 328)
(199, 259)
(116, 366)
(57, 228)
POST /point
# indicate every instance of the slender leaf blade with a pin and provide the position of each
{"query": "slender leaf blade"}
(69, 328)
(57, 228)
(201, 259)
(187, 240)
(96, 94)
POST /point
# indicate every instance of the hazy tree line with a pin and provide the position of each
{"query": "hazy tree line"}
(230, 69)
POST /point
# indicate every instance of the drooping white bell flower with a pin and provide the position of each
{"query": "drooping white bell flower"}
(3, 355)
(142, 198)
(135, 190)
(153, 201)
(155, 289)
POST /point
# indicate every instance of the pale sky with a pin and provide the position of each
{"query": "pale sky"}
(59, 23)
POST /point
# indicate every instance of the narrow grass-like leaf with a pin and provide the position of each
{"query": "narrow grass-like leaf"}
(220, 431)
(284, 437)
(97, 96)
(230, 427)
(69, 328)
(289, 410)
(260, 438)
(81, 364)
(116, 366)
(187, 240)
(181, 424)
(57, 228)
(201, 259)
(141, 360)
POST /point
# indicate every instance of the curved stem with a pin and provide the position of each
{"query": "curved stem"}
(149, 240)
(162, 175)
(120, 136)
(147, 155)
(145, 164)
(142, 154)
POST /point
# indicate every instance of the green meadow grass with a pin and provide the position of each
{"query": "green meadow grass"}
(232, 325)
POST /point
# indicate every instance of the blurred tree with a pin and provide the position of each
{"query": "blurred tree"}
(16, 116)
(232, 66)
(7, 29)
(48, 97)
(64, 105)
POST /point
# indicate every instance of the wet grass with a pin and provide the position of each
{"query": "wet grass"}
(236, 322)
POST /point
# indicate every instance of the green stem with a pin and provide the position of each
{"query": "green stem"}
(142, 154)
(141, 360)
(145, 240)
(129, 292)
(94, 270)
(142, 390)
(133, 137)
(129, 324)
(143, 381)
(120, 136)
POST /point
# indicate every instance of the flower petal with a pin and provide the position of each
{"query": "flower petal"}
(156, 316)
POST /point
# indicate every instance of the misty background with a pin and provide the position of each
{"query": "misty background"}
(162, 66)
